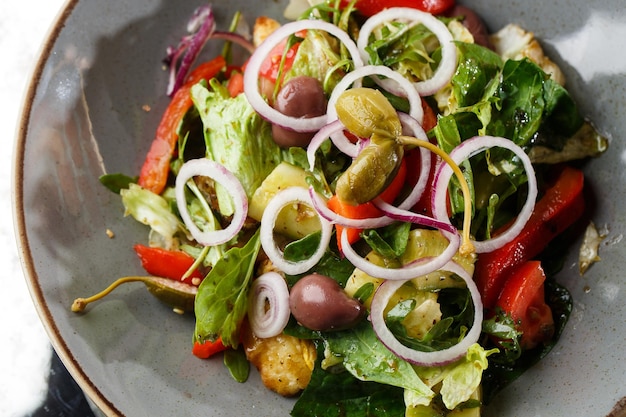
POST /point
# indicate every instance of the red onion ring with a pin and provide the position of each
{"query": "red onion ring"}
(448, 63)
(291, 195)
(208, 168)
(466, 150)
(437, 358)
(415, 101)
(418, 132)
(324, 133)
(251, 74)
(202, 25)
(268, 306)
(409, 271)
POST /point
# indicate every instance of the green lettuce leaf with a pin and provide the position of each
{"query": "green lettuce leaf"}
(236, 137)
(153, 210)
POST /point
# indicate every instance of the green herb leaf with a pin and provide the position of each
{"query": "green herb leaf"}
(117, 182)
(237, 364)
(365, 357)
(221, 301)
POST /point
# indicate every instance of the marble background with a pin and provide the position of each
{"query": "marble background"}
(25, 351)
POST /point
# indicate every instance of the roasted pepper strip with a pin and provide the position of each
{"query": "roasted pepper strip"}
(561, 205)
(206, 349)
(168, 264)
(366, 210)
(523, 298)
(155, 169)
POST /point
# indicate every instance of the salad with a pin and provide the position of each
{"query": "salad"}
(369, 209)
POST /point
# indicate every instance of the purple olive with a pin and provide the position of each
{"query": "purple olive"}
(319, 303)
(301, 96)
(473, 22)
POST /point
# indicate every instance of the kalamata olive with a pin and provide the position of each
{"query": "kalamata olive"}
(365, 111)
(301, 96)
(473, 22)
(371, 171)
(319, 303)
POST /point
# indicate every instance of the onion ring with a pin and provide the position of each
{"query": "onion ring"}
(466, 150)
(282, 199)
(436, 358)
(448, 63)
(268, 305)
(208, 168)
(253, 67)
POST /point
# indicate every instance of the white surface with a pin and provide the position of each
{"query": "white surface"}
(25, 355)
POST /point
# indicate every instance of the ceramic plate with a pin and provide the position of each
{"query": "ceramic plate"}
(92, 107)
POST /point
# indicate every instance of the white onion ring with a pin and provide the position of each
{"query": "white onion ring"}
(437, 358)
(448, 63)
(253, 67)
(466, 150)
(414, 269)
(208, 168)
(282, 199)
(268, 307)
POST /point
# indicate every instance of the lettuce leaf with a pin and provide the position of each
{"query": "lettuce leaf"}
(153, 210)
(236, 137)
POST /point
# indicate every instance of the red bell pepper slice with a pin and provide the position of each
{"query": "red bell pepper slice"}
(206, 349)
(168, 264)
(155, 169)
(523, 298)
(366, 210)
(561, 205)
(371, 7)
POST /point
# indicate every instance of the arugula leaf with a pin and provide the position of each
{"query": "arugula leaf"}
(221, 302)
(366, 358)
(237, 364)
(339, 394)
(390, 241)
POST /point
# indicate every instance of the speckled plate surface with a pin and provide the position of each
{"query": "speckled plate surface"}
(86, 113)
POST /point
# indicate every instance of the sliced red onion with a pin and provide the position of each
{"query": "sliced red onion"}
(268, 308)
(201, 26)
(284, 198)
(417, 131)
(235, 38)
(466, 150)
(407, 89)
(412, 270)
(208, 168)
(251, 74)
(447, 65)
(437, 358)
(322, 209)
(410, 217)
(324, 133)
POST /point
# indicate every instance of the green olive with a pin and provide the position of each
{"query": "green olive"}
(365, 111)
(371, 171)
